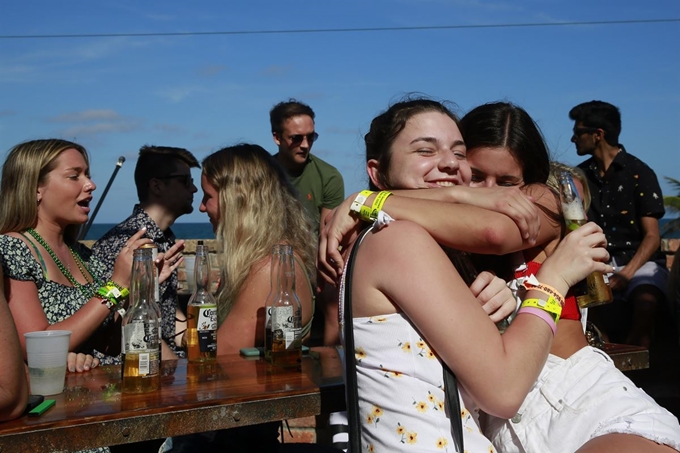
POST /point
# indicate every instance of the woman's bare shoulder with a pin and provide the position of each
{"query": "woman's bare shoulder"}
(398, 238)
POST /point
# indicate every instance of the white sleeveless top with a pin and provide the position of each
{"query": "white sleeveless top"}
(401, 391)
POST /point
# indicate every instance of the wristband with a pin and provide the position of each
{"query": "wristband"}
(532, 284)
(124, 291)
(378, 203)
(360, 200)
(550, 306)
(365, 213)
(541, 314)
(112, 293)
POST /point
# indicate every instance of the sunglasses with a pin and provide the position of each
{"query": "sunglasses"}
(187, 180)
(578, 131)
(298, 138)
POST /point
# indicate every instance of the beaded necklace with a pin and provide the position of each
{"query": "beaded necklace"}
(79, 262)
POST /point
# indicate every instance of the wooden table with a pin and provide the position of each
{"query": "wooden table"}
(235, 391)
(627, 357)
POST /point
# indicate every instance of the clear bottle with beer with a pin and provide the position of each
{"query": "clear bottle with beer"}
(156, 301)
(273, 295)
(593, 290)
(201, 331)
(156, 286)
(286, 314)
(141, 335)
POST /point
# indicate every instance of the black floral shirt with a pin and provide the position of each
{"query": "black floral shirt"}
(58, 301)
(628, 191)
(109, 246)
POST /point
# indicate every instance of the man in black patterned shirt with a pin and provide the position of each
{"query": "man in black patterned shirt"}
(166, 191)
(627, 203)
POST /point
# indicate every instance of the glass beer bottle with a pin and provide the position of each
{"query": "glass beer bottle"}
(594, 290)
(202, 312)
(141, 336)
(286, 314)
(273, 294)
(156, 301)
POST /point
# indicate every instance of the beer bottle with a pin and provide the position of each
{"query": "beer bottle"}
(286, 314)
(594, 290)
(202, 312)
(273, 294)
(156, 301)
(141, 336)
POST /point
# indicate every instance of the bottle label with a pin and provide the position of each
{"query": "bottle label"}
(290, 336)
(283, 325)
(144, 363)
(139, 336)
(207, 318)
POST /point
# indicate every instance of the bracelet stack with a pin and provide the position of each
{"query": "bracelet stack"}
(548, 310)
(365, 213)
(112, 294)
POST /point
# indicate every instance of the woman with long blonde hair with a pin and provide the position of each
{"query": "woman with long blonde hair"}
(252, 207)
(50, 281)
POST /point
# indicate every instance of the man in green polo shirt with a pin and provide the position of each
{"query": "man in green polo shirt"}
(320, 186)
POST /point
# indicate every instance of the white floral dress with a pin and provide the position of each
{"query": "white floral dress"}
(401, 391)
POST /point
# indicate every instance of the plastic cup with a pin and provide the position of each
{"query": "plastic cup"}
(47, 352)
(189, 264)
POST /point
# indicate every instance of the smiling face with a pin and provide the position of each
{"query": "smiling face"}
(210, 204)
(428, 153)
(494, 167)
(65, 194)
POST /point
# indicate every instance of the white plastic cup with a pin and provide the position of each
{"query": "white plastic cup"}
(189, 265)
(47, 353)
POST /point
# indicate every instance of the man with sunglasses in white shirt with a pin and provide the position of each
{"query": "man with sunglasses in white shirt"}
(320, 186)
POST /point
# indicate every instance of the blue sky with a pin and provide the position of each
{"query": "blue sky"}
(114, 94)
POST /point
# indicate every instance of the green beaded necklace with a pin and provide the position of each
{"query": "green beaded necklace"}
(79, 262)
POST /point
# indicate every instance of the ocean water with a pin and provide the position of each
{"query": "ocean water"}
(181, 230)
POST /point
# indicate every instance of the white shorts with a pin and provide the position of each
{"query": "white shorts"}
(577, 399)
(651, 273)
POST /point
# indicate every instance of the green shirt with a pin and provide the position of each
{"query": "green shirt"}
(320, 185)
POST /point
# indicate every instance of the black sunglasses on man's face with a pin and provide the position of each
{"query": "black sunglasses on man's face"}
(578, 131)
(187, 180)
(298, 138)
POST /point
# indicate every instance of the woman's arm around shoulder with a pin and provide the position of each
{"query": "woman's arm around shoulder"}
(402, 267)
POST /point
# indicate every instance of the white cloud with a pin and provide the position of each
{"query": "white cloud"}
(85, 116)
(275, 70)
(211, 70)
(102, 128)
(170, 129)
(177, 94)
(95, 122)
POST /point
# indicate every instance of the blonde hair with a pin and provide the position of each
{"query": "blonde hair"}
(577, 173)
(25, 169)
(258, 209)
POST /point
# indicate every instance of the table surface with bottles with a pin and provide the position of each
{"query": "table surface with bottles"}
(194, 397)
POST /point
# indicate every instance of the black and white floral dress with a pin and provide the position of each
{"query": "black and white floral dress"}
(58, 301)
